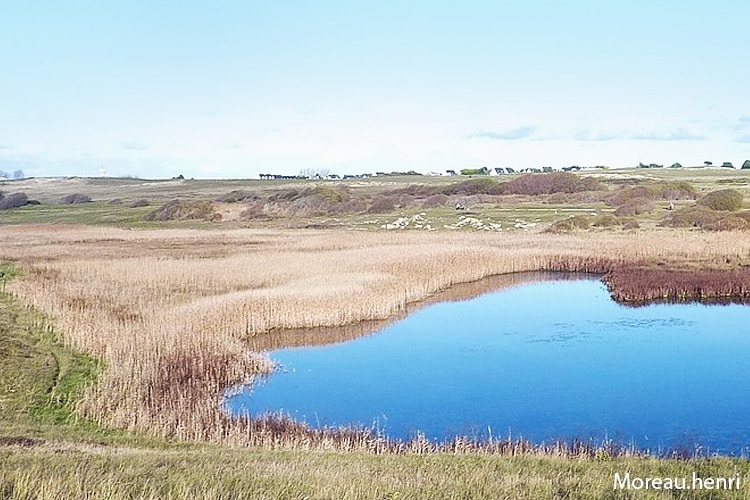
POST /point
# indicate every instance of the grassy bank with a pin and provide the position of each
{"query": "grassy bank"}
(217, 472)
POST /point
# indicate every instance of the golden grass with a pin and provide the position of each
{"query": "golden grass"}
(172, 312)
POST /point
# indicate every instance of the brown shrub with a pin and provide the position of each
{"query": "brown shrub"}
(655, 191)
(635, 206)
(705, 218)
(415, 191)
(14, 200)
(139, 203)
(237, 196)
(557, 182)
(606, 220)
(184, 210)
(724, 199)
(435, 201)
(572, 223)
(76, 198)
(381, 204)
(481, 185)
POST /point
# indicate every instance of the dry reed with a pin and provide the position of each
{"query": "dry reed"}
(172, 312)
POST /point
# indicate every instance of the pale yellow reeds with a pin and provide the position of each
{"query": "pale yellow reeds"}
(170, 311)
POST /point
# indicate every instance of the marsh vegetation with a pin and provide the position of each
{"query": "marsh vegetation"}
(171, 312)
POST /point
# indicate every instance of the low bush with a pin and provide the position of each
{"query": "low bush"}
(13, 200)
(654, 191)
(482, 185)
(184, 210)
(382, 204)
(707, 219)
(572, 223)
(725, 199)
(435, 201)
(635, 206)
(76, 198)
(139, 203)
(606, 220)
(415, 191)
(237, 196)
(558, 182)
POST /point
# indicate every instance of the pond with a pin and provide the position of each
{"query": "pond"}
(541, 360)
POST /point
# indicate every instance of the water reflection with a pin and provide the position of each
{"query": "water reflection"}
(544, 360)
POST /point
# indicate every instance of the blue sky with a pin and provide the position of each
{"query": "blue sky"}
(234, 89)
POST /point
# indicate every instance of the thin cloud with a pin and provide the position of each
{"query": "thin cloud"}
(587, 135)
(745, 138)
(507, 135)
(134, 146)
(744, 119)
(674, 135)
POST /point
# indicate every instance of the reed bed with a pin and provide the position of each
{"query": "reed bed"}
(644, 283)
(172, 313)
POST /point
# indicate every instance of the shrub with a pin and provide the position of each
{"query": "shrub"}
(139, 203)
(724, 199)
(483, 185)
(435, 201)
(237, 196)
(679, 190)
(606, 220)
(184, 210)
(635, 206)
(571, 224)
(13, 200)
(415, 190)
(558, 182)
(382, 203)
(73, 199)
(707, 219)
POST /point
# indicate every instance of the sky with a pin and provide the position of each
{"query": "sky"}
(233, 89)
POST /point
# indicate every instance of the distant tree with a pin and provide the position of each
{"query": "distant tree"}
(707, 163)
(18, 174)
(746, 165)
(727, 164)
(675, 165)
(3, 174)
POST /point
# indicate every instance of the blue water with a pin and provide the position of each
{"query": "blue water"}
(542, 361)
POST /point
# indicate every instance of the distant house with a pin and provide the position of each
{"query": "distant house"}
(727, 164)
(497, 171)
(746, 165)
(574, 168)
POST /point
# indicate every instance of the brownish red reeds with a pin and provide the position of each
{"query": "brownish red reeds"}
(639, 283)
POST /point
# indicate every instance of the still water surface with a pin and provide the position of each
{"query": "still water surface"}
(545, 360)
